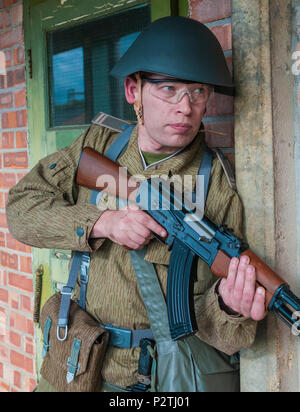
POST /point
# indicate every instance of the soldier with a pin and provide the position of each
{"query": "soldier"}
(170, 72)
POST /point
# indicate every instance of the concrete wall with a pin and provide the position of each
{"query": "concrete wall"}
(267, 171)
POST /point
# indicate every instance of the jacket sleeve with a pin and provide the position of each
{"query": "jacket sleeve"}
(42, 209)
(217, 328)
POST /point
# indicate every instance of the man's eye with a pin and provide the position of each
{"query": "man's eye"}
(168, 89)
(199, 90)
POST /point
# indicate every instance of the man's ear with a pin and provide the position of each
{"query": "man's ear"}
(131, 90)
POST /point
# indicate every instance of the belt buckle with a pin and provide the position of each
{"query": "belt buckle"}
(119, 337)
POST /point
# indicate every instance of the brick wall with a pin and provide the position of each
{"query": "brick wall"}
(17, 348)
(217, 16)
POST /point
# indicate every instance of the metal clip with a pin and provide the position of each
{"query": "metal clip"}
(58, 333)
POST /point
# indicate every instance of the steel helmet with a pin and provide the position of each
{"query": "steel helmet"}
(179, 47)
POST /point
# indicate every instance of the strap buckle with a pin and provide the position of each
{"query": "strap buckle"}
(119, 337)
(66, 290)
(84, 268)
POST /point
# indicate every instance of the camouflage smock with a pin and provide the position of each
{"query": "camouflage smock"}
(46, 208)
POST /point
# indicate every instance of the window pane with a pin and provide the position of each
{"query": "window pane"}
(80, 59)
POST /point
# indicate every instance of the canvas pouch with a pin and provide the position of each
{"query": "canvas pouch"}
(73, 365)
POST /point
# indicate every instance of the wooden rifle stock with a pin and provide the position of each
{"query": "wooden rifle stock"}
(266, 277)
(97, 172)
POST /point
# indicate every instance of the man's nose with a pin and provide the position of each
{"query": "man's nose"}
(185, 105)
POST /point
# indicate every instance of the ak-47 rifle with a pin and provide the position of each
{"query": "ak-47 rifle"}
(190, 235)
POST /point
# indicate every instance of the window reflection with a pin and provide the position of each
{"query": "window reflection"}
(68, 87)
(80, 59)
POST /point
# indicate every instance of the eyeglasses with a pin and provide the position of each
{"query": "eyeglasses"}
(171, 90)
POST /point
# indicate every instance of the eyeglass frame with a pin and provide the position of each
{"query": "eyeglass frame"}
(172, 80)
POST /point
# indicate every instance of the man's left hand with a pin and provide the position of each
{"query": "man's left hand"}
(239, 292)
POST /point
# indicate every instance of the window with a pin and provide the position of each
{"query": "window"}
(80, 59)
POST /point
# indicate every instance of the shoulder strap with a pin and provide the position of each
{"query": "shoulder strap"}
(152, 295)
(227, 168)
(113, 153)
(205, 171)
(111, 122)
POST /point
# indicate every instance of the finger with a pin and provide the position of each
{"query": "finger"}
(142, 231)
(249, 291)
(131, 206)
(227, 285)
(130, 244)
(232, 272)
(258, 311)
(237, 292)
(136, 238)
(151, 224)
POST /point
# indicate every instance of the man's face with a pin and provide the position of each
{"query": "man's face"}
(169, 124)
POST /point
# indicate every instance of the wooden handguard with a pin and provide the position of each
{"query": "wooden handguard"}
(266, 277)
(97, 172)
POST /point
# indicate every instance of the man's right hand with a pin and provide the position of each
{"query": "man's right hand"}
(129, 227)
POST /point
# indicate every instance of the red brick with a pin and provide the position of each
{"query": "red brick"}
(7, 140)
(11, 37)
(13, 300)
(6, 100)
(26, 264)
(4, 387)
(5, 20)
(7, 180)
(14, 339)
(29, 346)
(5, 60)
(208, 10)
(17, 379)
(21, 361)
(4, 355)
(1, 370)
(2, 239)
(17, 14)
(3, 296)
(12, 120)
(21, 140)
(20, 98)
(19, 56)
(3, 278)
(2, 203)
(8, 3)
(215, 140)
(220, 105)
(224, 35)
(20, 282)
(21, 323)
(8, 260)
(19, 76)
(3, 79)
(3, 222)
(12, 243)
(16, 160)
(26, 304)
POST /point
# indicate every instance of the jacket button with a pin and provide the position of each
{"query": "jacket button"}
(52, 166)
(80, 232)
